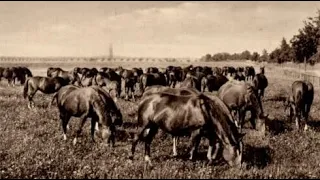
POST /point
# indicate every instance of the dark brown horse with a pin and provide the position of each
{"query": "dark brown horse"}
(46, 85)
(249, 72)
(191, 82)
(89, 102)
(7, 73)
(299, 101)
(213, 82)
(150, 79)
(177, 91)
(179, 115)
(260, 83)
(71, 76)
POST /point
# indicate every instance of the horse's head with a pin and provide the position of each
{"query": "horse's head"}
(233, 153)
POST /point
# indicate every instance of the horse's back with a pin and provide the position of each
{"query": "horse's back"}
(171, 112)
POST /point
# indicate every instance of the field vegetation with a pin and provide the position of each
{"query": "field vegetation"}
(32, 144)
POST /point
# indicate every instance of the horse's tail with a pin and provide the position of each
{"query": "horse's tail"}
(25, 88)
(299, 99)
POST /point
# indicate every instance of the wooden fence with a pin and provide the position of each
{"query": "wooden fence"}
(315, 80)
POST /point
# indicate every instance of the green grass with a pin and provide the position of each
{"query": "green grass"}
(32, 145)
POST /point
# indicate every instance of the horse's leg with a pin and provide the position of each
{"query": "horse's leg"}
(298, 117)
(216, 150)
(148, 139)
(94, 125)
(242, 115)
(175, 142)
(253, 119)
(64, 121)
(132, 93)
(307, 111)
(195, 140)
(83, 120)
(31, 93)
(139, 137)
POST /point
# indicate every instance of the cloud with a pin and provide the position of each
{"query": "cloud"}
(184, 29)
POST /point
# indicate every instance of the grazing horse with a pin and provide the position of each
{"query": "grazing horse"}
(88, 102)
(300, 101)
(87, 79)
(46, 85)
(260, 82)
(213, 82)
(50, 70)
(129, 79)
(102, 79)
(88, 76)
(7, 74)
(197, 115)
(180, 91)
(71, 76)
(249, 73)
(191, 82)
(150, 79)
(240, 98)
(152, 70)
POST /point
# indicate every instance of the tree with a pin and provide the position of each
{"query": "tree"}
(274, 55)
(264, 57)
(305, 43)
(255, 56)
(286, 53)
(245, 55)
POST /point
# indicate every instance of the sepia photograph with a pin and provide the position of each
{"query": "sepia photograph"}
(159, 89)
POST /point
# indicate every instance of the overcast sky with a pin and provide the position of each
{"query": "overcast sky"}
(147, 29)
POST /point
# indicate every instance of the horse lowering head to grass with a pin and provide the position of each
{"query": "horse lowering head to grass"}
(240, 98)
(194, 114)
(299, 102)
(46, 85)
(88, 102)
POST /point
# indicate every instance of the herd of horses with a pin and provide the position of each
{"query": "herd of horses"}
(199, 101)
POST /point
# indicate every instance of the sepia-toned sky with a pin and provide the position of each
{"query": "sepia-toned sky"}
(147, 29)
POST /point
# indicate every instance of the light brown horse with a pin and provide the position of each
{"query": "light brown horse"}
(240, 98)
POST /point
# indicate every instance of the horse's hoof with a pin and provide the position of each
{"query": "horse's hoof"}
(174, 155)
(131, 157)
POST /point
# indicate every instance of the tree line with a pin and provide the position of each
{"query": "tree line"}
(305, 45)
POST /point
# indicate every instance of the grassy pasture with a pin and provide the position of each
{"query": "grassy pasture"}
(32, 145)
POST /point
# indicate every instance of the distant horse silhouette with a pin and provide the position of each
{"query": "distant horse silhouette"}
(89, 102)
(46, 85)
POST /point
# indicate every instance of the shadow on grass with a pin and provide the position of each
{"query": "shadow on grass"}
(315, 125)
(258, 157)
(277, 126)
(126, 125)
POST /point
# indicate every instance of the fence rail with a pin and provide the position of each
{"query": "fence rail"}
(315, 80)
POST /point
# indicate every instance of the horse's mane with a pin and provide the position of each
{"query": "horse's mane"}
(221, 118)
